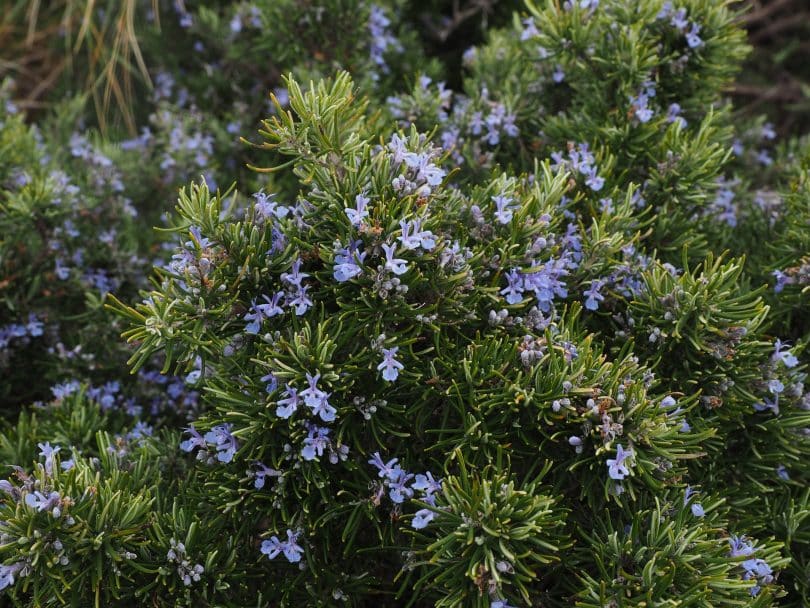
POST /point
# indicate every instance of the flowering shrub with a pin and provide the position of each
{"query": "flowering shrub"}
(534, 343)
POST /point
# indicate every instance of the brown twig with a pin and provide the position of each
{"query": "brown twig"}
(779, 25)
(460, 15)
(778, 93)
(763, 12)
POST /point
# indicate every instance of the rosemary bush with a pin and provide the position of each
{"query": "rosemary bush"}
(534, 342)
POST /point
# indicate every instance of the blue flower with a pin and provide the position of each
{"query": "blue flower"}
(8, 572)
(513, 292)
(667, 402)
(427, 171)
(546, 283)
(44, 502)
(758, 566)
(195, 441)
(504, 208)
(782, 279)
(272, 382)
(529, 29)
(295, 276)
(324, 409)
(360, 212)
(381, 40)
(427, 484)
(225, 443)
(259, 312)
(679, 20)
(617, 469)
(396, 265)
(593, 296)
(384, 469)
(265, 209)
(768, 404)
(697, 508)
(476, 123)
(673, 114)
(427, 240)
(312, 395)
(347, 262)
(299, 300)
(48, 452)
(315, 443)
(408, 240)
(740, 547)
(422, 518)
(786, 357)
(292, 551)
(290, 548)
(34, 326)
(640, 108)
(141, 430)
(60, 391)
(594, 181)
(398, 488)
(288, 405)
(692, 39)
(390, 366)
(262, 471)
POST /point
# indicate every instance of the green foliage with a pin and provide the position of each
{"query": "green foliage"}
(535, 342)
(491, 533)
(667, 556)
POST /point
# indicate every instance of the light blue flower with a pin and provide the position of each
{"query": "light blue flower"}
(360, 212)
(617, 469)
(384, 469)
(287, 406)
(396, 265)
(225, 443)
(390, 366)
(422, 518)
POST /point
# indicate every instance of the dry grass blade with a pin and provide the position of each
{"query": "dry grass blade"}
(105, 35)
(33, 13)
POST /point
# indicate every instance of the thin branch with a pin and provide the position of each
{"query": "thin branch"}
(777, 93)
(775, 27)
(764, 12)
(460, 15)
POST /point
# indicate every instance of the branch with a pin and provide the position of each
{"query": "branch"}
(788, 22)
(460, 15)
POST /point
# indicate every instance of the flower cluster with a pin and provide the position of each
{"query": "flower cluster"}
(639, 104)
(579, 160)
(290, 547)
(755, 568)
(382, 41)
(401, 486)
(187, 572)
(317, 442)
(421, 174)
(469, 126)
(217, 443)
(20, 334)
(776, 374)
(677, 18)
